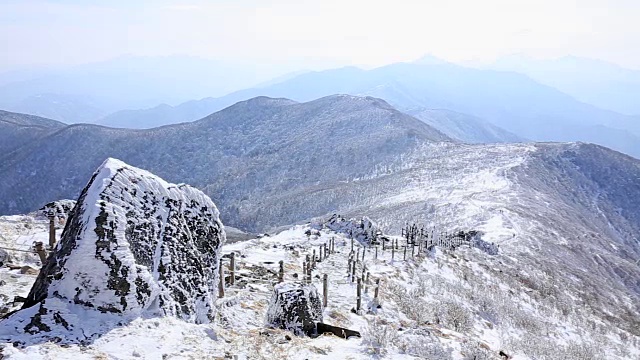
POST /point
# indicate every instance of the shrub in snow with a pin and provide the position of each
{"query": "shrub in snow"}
(295, 307)
(453, 315)
(421, 344)
(134, 246)
(473, 350)
(379, 337)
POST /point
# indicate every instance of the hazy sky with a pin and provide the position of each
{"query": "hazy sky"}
(317, 33)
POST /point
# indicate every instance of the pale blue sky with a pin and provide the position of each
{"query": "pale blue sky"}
(317, 33)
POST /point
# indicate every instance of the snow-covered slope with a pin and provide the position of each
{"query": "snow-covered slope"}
(463, 127)
(133, 246)
(291, 144)
(441, 305)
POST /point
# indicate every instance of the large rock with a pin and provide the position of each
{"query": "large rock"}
(134, 246)
(295, 307)
(61, 209)
(363, 230)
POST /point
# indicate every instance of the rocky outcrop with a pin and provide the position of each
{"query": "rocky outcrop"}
(61, 209)
(364, 230)
(295, 307)
(134, 246)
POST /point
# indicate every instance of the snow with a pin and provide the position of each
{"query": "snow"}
(239, 326)
(535, 299)
(135, 246)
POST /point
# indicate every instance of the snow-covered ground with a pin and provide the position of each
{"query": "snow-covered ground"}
(435, 306)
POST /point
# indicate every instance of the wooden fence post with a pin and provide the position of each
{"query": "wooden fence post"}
(232, 269)
(221, 275)
(41, 253)
(353, 270)
(393, 252)
(325, 289)
(376, 257)
(358, 255)
(359, 295)
(375, 294)
(333, 245)
(366, 283)
(304, 271)
(404, 257)
(281, 272)
(313, 259)
(52, 231)
(363, 251)
(349, 266)
(351, 242)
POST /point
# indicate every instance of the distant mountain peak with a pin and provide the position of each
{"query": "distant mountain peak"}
(429, 59)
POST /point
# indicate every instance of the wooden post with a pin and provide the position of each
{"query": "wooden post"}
(359, 295)
(376, 252)
(351, 242)
(304, 271)
(313, 260)
(375, 294)
(309, 274)
(366, 283)
(396, 244)
(413, 250)
(363, 250)
(52, 231)
(349, 266)
(281, 272)
(325, 289)
(383, 243)
(393, 252)
(221, 283)
(404, 257)
(358, 255)
(333, 245)
(41, 253)
(353, 271)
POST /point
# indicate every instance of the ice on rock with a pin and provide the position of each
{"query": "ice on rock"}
(134, 246)
(363, 230)
(295, 307)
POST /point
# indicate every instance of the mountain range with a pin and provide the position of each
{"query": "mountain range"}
(85, 93)
(564, 214)
(514, 105)
(294, 145)
(17, 130)
(603, 84)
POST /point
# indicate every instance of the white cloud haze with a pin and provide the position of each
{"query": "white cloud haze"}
(302, 33)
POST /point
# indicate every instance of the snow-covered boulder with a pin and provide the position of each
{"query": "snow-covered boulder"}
(60, 209)
(363, 230)
(295, 307)
(134, 246)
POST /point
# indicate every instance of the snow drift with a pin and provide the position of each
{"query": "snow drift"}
(134, 246)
